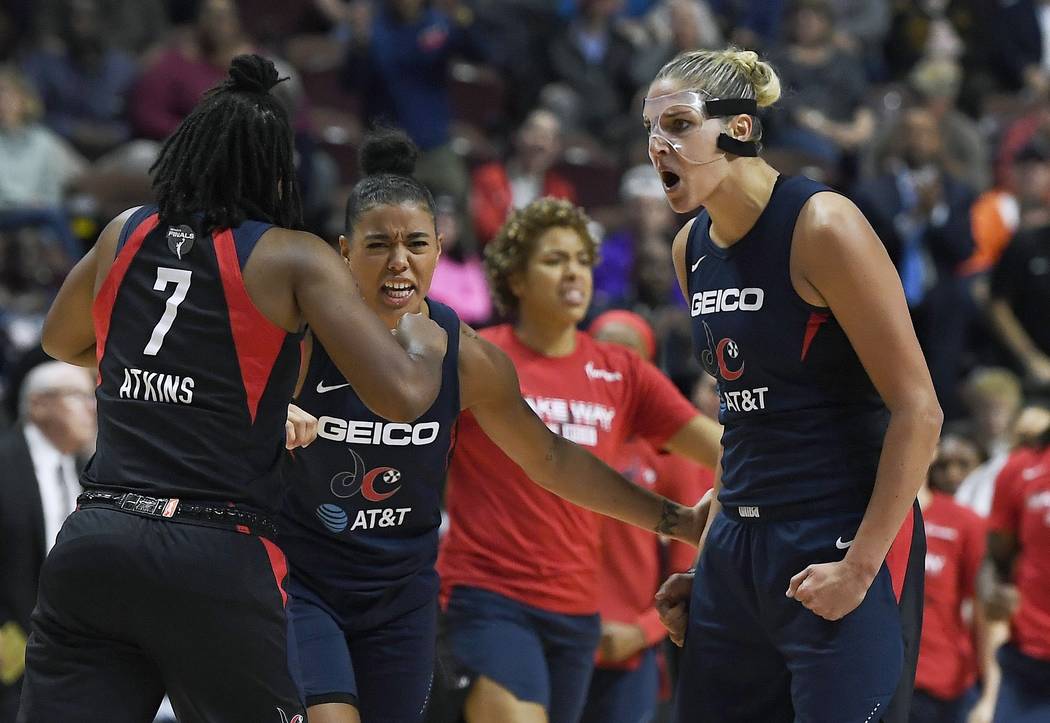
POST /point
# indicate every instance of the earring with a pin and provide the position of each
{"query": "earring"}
(346, 261)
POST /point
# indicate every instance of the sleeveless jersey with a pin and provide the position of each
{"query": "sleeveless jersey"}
(194, 381)
(363, 506)
(803, 422)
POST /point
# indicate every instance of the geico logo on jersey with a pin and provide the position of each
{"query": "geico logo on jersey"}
(156, 387)
(715, 300)
(392, 434)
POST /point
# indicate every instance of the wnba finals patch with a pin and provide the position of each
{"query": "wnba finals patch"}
(180, 240)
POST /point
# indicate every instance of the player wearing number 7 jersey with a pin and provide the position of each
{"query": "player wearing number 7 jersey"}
(166, 578)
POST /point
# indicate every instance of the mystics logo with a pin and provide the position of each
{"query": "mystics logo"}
(297, 718)
(375, 485)
(721, 360)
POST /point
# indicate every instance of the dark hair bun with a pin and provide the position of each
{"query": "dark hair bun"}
(388, 150)
(252, 74)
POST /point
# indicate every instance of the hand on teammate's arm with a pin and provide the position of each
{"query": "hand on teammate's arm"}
(300, 428)
(845, 263)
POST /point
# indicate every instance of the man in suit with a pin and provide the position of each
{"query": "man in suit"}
(38, 490)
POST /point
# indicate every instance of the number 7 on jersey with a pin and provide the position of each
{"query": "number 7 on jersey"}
(181, 278)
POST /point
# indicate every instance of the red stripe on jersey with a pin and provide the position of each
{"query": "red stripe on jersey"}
(278, 564)
(257, 340)
(102, 309)
(899, 554)
(816, 319)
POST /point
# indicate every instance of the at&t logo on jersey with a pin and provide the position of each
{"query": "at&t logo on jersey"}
(390, 434)
(335, 519)
(713, 301)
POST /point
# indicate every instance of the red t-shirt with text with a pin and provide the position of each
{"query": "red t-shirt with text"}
(509, 535)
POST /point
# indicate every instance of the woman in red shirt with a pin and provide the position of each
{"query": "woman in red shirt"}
(520, 566)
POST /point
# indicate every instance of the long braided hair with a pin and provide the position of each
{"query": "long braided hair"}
(231, 159)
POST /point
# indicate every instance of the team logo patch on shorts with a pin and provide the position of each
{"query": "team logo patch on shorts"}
(297, 718)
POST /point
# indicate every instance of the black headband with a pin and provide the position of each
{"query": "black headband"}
(727, 107)
(724, 107)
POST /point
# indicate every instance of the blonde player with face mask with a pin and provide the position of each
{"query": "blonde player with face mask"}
(810, 572)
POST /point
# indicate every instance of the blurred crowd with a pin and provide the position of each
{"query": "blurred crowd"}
(932, 115)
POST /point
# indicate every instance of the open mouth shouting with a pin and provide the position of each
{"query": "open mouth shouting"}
(670, 179)
(397, 292)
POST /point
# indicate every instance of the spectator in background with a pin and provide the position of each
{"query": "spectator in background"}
(459, 278)
(952, 648)
(195, 61)
(593, 58)
(922, 214)
(1020, 298)
(133, 26)
(398, 65)
(1019, 550)
(928, 28)
(937, 82)
(626, 681)
(756, 24)
(1004, 210)
(861, 28)
(84, 82)
(39, 490)
(675, 26)
(36, 164)
(824, 115)
(1020, 31)
(526, 175)
(648, 219)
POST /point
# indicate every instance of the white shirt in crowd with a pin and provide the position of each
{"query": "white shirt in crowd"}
(56, 475)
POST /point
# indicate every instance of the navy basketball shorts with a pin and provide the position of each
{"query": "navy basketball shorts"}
(753, 654)
(131, 607)
(1024, 694)
(384, 671)
(624, 696)
(539, 656)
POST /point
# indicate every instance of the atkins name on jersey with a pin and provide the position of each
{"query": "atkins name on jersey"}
(156, 387)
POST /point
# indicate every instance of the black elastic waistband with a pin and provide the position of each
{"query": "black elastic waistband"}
(206, 513)
(799, 511)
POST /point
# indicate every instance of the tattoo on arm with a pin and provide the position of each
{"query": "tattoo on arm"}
(668, 518)
(550, 450)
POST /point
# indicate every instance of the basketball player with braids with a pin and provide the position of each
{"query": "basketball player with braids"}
(361, 518)
(811, 567)
(167, 578)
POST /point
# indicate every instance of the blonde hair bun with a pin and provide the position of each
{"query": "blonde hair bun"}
(760, 74)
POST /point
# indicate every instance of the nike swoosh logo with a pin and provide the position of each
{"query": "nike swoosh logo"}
(321, 388)
(698, 262)
(842, 545)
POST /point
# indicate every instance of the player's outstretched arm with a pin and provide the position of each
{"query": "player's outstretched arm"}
(490, 390)
(844, 262)
(397, 376)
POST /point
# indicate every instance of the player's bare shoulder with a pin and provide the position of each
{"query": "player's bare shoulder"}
(485, 371)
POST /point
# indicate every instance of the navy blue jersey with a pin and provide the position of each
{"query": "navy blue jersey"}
(194, 382)
(364, 500)
(803, 422)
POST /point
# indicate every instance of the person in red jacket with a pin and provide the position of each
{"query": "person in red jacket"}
(519, 566)
(626, 681)
(952, 651)
(498, 188)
